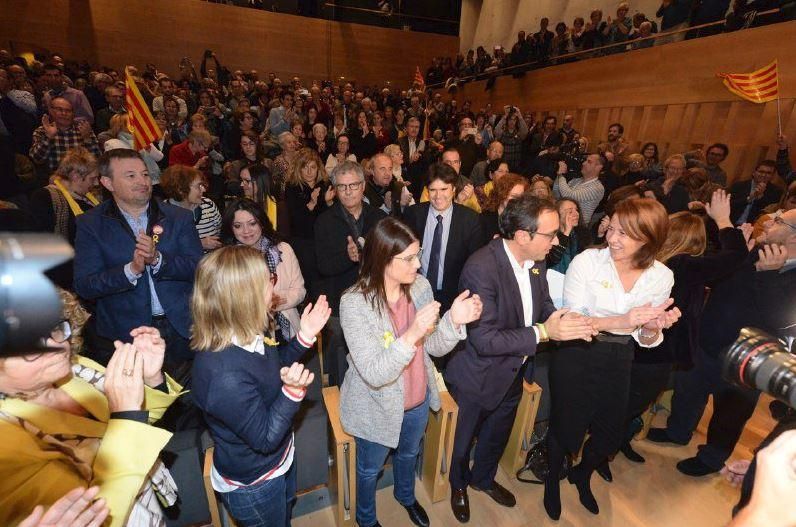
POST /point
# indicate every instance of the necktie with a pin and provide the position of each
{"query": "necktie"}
(433, 260)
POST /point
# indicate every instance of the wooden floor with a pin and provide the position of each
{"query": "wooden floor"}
(654, 494)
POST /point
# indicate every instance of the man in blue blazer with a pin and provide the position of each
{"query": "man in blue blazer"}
(485, 378)
(136, 258)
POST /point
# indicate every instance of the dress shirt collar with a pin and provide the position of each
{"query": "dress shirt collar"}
(446, 214)
(255, 346)
(526, 265)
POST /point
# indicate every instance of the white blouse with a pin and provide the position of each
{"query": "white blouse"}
(592, 287)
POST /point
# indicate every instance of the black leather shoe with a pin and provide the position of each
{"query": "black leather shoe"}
(659, 435)
(417, 514)
(552, 499)
(631, 454)
(694, 467)
(585, 495)
(500, 494)
(604, 470)
(460, 505)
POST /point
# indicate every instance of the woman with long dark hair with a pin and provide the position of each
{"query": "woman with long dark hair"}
(625, 292)
(392, 326)
(256, 183)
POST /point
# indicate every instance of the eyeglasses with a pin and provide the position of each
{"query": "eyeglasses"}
(779, 221)
(59, 334)
(199, 185)
(409, 259)
(353, 187)
(550, 235)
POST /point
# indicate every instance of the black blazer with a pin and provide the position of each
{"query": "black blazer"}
(338, 272)
(465, 238)
(415, 172)
(740, 192)
(498, 342)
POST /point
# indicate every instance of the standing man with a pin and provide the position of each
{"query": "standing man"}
(713, 158)
(59, 133)
(136, 257)
(339, 238)
(485, 378)
(168, 89)
(449, 234)
(115, 99)
(416, 158)
(281, 117)
(58, 88)
(750, 197)
(383, 191)
(469, 145)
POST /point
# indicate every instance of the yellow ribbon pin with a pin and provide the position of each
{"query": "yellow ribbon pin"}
(389, 338)
(535, 270)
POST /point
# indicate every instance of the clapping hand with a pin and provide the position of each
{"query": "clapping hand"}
(77, 508)
(466, 308)
(642, 315)
(50, 130)
(564, 325)
(665, 320)
(329, 195)
(124, 379)
(425, 319)
(314, 317)
(296, 376)
(353, 250)
(152, 348)
(313, 202)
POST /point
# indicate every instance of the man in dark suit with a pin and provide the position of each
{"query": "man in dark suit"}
(339, 238)
(136, 259)
(416, 157)
(449, 234)
(485, 378)
(383, 191)
(750, 197)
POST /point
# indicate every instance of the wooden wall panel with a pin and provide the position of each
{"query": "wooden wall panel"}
(115, 33)
(667, 94)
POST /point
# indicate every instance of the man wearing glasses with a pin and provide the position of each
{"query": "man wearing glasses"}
(339, 237)
(59, 133)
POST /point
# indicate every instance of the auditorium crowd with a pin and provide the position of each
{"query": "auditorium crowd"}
(416, 235)
(608, 33)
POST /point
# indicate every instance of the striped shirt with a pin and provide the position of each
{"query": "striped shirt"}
(588, 194)
(206, 218)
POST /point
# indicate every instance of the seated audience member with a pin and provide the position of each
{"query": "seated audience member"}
(115, 105)
(788, 202)
(385, 192)
(652, 168)
(245, 223)
(68, 422)
(257, 185)
(511, 131)
(714, 155)
(57, 87)
(573, 238)
(759, 293)
(393, 326)
(465, 191)
(589, 381)
(495, 170)
(283, 162)
(450, 233)
(121, 137)
(193, 151)
(485, 378)
(135, 258)
(508, 187)
(750, 197)
(339, 239)
(342, 154)
(478, 176)
(319, 141)
(60, 132)
(635, 170)
(397, 157)
(541, 188)
(249, 383)
(69, 194)
(684, 253)
(307, 194)
(185, 187)
(587, 190)
(547, 164)
(668, 189)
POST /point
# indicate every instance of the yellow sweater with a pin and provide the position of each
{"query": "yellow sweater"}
(33, 473)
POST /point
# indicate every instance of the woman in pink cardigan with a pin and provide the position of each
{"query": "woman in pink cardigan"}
(245, 223)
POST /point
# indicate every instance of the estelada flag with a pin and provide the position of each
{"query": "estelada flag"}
(142, 125)
(419, 78)
(759, 86)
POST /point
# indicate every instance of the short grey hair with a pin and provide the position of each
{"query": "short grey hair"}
(282, 138)
(347, 167)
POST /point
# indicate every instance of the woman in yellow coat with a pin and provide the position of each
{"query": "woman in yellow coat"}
(67, 422)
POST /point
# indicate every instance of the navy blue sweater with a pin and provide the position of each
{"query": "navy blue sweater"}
(250, 419)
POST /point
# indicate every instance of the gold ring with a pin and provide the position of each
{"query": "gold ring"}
(127, 373)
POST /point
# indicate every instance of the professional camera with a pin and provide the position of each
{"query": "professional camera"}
(760, 361)
(29, 304)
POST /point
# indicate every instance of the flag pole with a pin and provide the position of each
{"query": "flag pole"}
(779, 118)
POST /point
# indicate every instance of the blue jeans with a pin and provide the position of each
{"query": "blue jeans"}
(267, 504)
(370, 462)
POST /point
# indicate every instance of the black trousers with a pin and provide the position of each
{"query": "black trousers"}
(490, 427)
(589, 385)
(732, 407)
(647, 381)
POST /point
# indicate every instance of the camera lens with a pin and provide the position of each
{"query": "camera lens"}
(758, 360)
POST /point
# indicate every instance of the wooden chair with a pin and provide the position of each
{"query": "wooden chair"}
(520, 439)
(216, 508)
(342, 467)
(438, 448)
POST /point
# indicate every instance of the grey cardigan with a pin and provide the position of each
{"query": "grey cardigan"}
(372, 394)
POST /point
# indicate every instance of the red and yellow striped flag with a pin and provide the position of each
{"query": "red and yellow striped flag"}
(142, 125)
(759, 86)
(421, 83)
